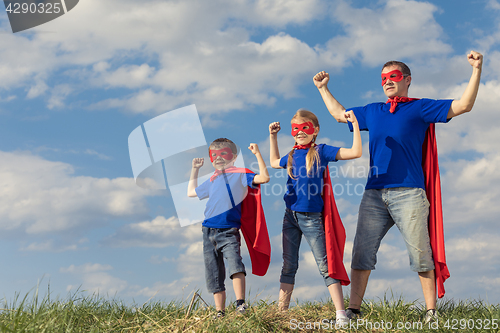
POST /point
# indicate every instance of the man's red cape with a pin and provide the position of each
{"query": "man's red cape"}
(253, 227)
(433, 189)
(334, 233)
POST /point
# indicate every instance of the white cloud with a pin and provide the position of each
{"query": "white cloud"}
(159, 232)
(375, 36)
(95, 279)
(52, 246)
(40, 196)
(204, 55)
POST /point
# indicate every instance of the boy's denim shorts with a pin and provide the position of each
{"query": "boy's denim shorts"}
(311, 225)
(380, 209)
(219, 244)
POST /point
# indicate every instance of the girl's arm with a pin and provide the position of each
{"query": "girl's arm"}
(356, 149)
(193, 179)
(263, 176)
(274, 128)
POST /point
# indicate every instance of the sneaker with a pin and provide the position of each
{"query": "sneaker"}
(431, 315)
(219, 315)
(351, 315)
(242, 309)
(342, 322)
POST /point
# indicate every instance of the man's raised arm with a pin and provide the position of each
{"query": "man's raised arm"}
(334, 107)
(466, 103)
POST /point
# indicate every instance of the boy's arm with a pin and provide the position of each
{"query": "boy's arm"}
(263, 176)
(274, 128)
(334, 107)
(193, 179)
(356, 150)
(466, 102)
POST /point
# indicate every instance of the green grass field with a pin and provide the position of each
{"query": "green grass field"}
(80, 313)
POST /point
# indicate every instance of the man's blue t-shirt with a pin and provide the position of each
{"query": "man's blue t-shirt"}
(225, 194)
(396, 140)
(304, 193)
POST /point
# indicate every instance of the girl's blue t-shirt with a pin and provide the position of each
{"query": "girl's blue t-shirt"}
(304, 193)
(396, 140)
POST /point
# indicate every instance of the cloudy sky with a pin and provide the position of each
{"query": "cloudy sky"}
(72, 90)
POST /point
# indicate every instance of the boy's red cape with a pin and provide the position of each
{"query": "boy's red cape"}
(334, 233)
(253, 226)
(433, 189)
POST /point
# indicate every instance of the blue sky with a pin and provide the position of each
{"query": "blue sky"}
(72, 90)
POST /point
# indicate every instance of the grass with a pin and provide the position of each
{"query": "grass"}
(80, 313)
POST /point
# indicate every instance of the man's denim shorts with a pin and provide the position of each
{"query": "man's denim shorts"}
(380, 209)
(219, 244)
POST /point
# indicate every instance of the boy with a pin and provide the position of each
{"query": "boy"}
(226, 209)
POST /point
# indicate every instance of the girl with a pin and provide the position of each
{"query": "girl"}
(305, 166)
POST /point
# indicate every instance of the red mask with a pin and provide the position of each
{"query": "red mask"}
(394, 75)
(225, 153)
(296, 128)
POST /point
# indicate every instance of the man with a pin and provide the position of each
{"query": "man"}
(394, 192)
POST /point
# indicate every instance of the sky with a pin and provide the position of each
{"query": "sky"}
(72, 218)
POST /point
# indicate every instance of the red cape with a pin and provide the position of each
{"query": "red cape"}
(433, 189)
(334, 233)
(254, 228)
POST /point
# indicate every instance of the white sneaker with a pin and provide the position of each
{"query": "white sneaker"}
(431, 315)
(242, 309)
(342, 322)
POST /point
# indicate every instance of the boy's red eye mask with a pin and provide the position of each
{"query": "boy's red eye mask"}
(296, 128)
(225, 153)
(394, 75)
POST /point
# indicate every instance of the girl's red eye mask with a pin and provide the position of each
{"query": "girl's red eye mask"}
(394, 75)
(307, 128)
(225, 153)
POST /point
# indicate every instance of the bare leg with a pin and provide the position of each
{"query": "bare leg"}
(285, 296)
(239, 285)
(337, 296)
(359, 280)
(428, 282)
(220, 300)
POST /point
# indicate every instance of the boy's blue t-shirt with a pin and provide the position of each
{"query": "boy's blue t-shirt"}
(304, 193)
(225, 194)
(396, 140)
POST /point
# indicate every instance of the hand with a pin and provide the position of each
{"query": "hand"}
(198, 162)
(274, 127)
(321, 79)
(254, 148)
(475, 59)
(349, 116)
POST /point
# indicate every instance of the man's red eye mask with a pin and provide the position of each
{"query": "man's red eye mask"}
(296, 128)
(225, 153)
(394, 75)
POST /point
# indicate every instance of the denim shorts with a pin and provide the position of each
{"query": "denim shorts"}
(219, 244)
(380, 209)
(311, 225)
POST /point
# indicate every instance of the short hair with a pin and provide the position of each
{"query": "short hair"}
(404, 68)
(228, 142)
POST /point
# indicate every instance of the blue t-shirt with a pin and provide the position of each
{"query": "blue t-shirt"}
(304, 193)
(225, 195)
(396, 140)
